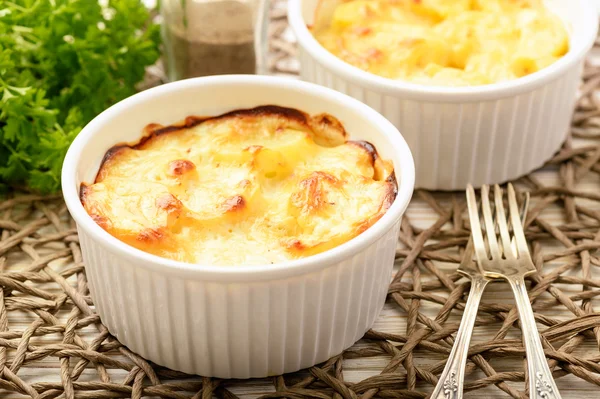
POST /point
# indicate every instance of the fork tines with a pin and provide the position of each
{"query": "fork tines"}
(501, 244)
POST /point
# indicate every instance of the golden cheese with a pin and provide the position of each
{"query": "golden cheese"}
(254, 186)
(442, 42)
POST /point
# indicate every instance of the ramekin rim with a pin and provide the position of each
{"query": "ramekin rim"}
(406, 181)
(442, 93)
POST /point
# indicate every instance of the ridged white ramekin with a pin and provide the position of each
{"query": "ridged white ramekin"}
(478, 135)
(238, 321)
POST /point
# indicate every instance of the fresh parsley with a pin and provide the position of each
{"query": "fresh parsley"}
(61, 63)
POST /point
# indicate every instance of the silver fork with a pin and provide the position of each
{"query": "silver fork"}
(513, 264)
(451, 381)
(450, 384)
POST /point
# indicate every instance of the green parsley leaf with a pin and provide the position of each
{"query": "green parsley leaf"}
(62, 62)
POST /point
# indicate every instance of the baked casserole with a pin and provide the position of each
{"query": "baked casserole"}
(442, 42)
(249, 187)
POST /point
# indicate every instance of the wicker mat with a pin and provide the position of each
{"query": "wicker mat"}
(52, 344)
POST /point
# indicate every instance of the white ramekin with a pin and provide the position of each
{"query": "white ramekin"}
(238, 321)
(478, 135)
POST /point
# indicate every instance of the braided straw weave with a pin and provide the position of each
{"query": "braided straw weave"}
(53, 345)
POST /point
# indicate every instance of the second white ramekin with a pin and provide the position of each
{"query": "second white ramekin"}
(478, 135)
(238, 321)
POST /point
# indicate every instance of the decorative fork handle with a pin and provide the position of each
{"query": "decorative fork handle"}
(450, 384)
(541, 382)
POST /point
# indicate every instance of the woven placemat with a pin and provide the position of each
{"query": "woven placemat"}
(53, 345)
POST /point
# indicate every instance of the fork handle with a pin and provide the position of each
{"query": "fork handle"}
(450, 384)
(541, 382)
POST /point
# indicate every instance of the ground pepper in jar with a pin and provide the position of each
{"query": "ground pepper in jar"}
(212, 38)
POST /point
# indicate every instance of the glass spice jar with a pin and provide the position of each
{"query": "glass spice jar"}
(214, 37)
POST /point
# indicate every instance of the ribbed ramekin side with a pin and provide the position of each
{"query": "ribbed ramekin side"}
(98, 280)
(241, 329)
(533, 127)
(126, 299)
(341, 302)
(387, 250)
(485, 142)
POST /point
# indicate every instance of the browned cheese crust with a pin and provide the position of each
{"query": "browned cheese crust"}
(253, 186)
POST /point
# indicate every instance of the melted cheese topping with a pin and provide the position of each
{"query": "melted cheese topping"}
(250, 187)
(442, 42)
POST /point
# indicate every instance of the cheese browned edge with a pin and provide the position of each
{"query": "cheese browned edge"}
(326, 131)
